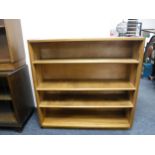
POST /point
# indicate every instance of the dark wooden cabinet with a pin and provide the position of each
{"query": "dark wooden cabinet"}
(12, 55)
(16, 99)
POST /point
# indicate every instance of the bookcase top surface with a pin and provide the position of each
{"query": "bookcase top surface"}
(88, 39)
(9, 72)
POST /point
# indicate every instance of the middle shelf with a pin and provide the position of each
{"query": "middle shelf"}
(85, 86)
(85, 77)
(86, 104)
(78, 61)
(104, 99)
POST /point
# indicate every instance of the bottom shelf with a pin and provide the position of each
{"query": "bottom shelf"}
(7, 116)
(5, 97)
(85, 118)
(11, 66)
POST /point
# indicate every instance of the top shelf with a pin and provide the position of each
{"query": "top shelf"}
(63, 61)
(108, 50)
(89, 39)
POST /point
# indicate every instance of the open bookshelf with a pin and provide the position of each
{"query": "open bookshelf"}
(86, 83)
(16, 100)
(12, 54)
(7, 116)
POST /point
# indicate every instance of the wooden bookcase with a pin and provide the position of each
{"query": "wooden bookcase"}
(12, 55)
(16, 99)
(86, 83)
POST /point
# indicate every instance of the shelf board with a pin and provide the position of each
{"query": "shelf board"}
(7, 118)
(5, 97)
(2, 26)
(86, 104)
(89, 39)
(4, 60)
(85, 86)
(85, 122)
(73, 61)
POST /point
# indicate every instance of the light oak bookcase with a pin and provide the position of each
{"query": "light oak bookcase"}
(86, 83)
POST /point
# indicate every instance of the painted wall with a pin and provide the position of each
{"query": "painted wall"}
(69, 27)
(148, 23)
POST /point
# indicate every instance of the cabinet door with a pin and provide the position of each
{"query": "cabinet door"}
(7, 114)
(21, 92)
(4, 50)
(15, 39)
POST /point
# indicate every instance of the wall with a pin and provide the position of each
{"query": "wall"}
(68, 27)
(148, 23)
(78, 27)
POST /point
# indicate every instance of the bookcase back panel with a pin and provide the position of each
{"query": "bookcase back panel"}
(75, 113)
(6, 107)
(4, 87)
(84, 71)
(84, 96)
(86, 49)
(4, 51)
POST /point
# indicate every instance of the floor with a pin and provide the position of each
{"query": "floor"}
(144, 123)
